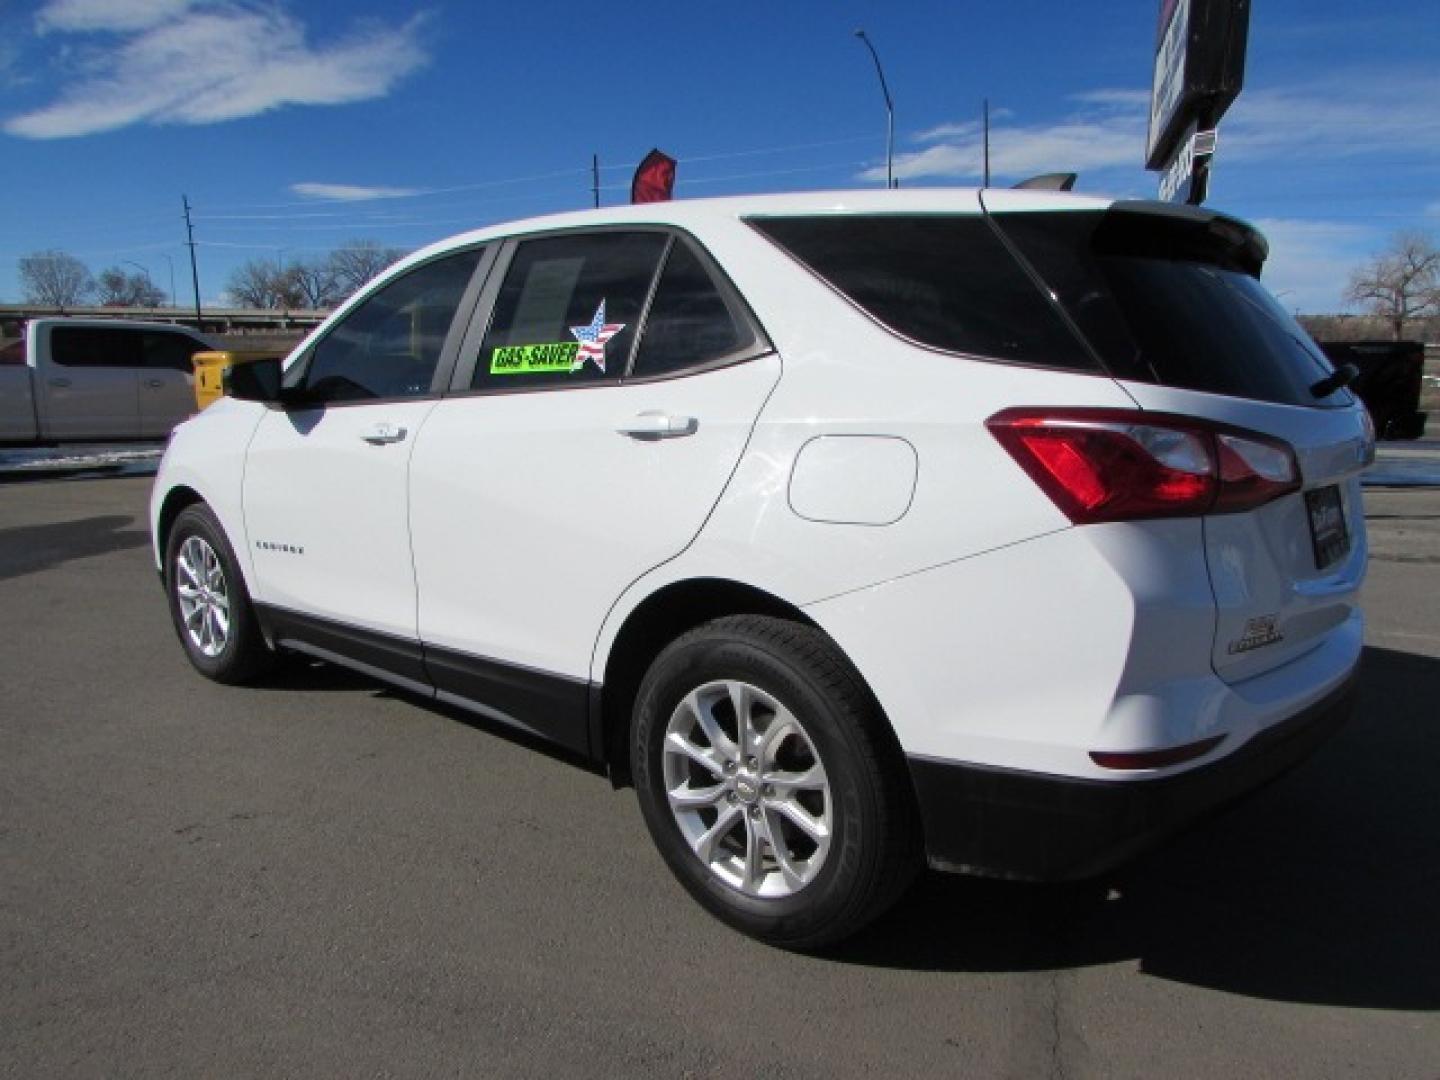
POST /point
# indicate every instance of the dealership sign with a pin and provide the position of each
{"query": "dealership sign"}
(1184, 180)
(1199, 68)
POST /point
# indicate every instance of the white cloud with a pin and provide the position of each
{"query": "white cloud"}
(212, 62)
(1095, 136)
(112, 15)
(351, 192)
(1355, 113)
(1310, 261)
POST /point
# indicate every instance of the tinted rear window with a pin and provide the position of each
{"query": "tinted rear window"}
(943, 280)
(1171, 301)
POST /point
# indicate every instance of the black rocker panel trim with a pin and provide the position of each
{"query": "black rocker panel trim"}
(383, 655)
(553, 707)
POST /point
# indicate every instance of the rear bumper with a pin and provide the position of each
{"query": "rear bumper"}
(1009, 823)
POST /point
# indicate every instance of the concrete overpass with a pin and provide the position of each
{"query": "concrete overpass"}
(228, 321)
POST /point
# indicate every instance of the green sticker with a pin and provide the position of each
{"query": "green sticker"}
(534, 359)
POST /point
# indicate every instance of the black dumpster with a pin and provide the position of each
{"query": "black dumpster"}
(1388, 383)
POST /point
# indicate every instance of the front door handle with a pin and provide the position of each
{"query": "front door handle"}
(658, 425)
(154, 384)
(380, 434)
(62, 383)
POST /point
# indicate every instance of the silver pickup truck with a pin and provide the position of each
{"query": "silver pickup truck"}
(81, 380)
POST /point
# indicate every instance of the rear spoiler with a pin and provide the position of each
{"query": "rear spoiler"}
(1235, 242)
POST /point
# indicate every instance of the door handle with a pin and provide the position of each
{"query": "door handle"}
(154, 384)
(60, 382)
(380, 434)
(658, 425)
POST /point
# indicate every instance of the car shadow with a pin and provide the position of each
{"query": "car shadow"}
(1321, 889)
(29, 549)
(297, 672)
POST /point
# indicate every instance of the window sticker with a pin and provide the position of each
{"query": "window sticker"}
(592, 338)
(553, 358)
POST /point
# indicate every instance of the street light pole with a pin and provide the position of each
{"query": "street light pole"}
(171, 263)
(148, 279)
(889, 111)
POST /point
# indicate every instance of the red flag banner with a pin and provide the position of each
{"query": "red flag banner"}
(654, 179)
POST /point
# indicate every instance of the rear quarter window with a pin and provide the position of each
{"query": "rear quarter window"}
(943, 280)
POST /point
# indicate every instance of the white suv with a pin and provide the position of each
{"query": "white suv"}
(1008, 530)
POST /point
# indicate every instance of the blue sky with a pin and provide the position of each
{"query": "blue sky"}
(297, 127)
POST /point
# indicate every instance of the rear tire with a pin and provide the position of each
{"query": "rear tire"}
(771, 782)
(209, 604)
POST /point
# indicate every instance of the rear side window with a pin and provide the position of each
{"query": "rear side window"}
(567, 311)
(943, 280)
(173, 351)
(1172, 301)
(95, 346)
(12, 352)
(690, 323)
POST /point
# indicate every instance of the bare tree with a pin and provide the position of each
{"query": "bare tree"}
(358, 262)
(1400, 284)
(55, 278)
(314, 281)
(263, 284)
(119, 289)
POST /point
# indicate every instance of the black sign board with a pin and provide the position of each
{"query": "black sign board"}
(1199, 68)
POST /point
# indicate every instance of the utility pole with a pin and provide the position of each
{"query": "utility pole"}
(194, 273)
(987, 142)
(595, 178)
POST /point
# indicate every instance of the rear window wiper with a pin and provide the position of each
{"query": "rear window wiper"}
(1343, 375)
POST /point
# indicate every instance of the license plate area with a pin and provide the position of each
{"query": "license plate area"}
(1328, 535)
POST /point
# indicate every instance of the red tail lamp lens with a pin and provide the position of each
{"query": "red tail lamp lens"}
(1116, 465)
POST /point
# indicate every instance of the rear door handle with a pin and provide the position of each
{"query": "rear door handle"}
(658, 425)
(380, 434)
(154, 384)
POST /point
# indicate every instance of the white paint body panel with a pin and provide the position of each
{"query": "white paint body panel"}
(313, 483)
(1262, 563)
(206, 455)
(531, 513)
(854, 479)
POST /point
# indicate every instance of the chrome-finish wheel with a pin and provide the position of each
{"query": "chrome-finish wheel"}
(203, 595)
(747, 788)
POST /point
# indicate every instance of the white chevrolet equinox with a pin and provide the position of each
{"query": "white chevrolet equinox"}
(1002, 530)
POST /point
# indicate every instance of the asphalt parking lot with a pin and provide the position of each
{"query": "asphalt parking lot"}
(323, 878)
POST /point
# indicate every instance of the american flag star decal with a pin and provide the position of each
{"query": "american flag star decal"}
(592, 339)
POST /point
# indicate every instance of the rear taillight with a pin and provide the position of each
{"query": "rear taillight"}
(1120, 465)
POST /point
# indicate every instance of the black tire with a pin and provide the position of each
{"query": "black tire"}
(240, 654)
(873, 844)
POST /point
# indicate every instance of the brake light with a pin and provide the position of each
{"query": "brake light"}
(1123, 465)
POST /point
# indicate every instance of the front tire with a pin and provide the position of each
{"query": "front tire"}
(209, 604)
(771, 783)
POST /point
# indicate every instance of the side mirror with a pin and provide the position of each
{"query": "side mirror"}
(258, 380)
